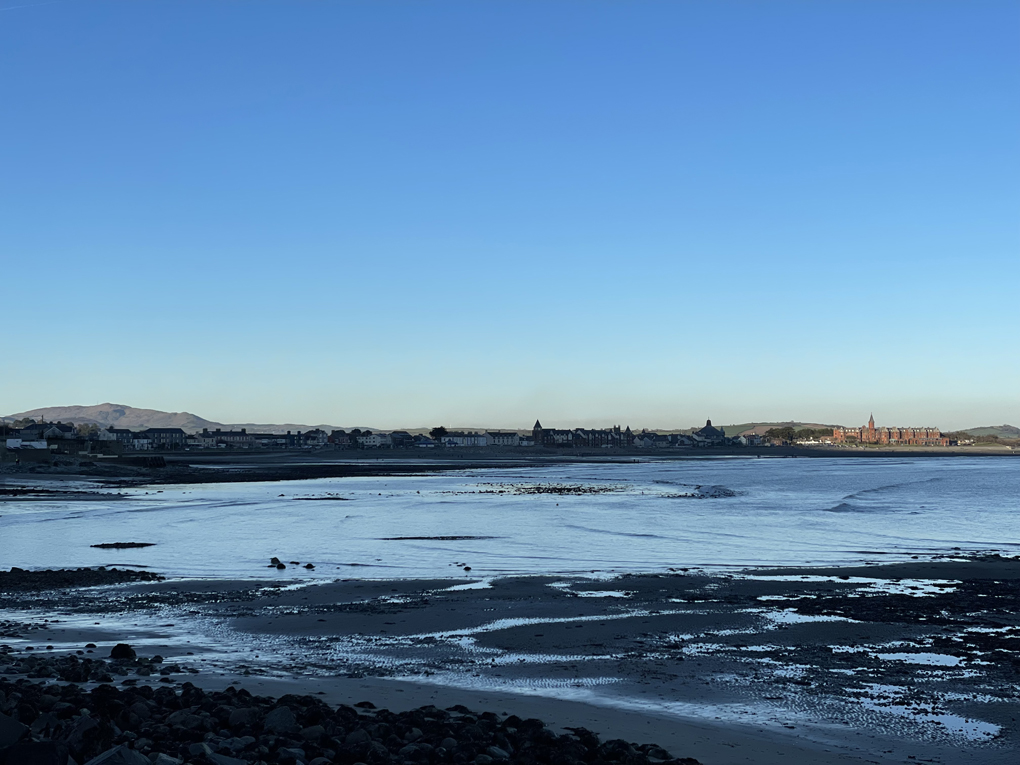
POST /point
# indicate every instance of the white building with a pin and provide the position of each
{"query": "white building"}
(466, 439)
(501, 438)
(375, 441)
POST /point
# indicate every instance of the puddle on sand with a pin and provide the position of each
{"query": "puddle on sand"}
(918, 588)
(931, 659)
(567, 587)
(482, 584)
(790, 616)
(892, 699)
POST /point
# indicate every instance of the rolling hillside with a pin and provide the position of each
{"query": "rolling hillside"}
(1002, 431)
(761, 427)
(123, 416)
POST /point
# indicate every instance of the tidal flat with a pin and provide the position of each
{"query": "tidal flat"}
(674, 605)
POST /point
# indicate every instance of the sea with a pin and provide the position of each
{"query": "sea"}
(598, 519)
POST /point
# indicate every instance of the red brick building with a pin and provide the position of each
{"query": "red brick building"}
(869, 434)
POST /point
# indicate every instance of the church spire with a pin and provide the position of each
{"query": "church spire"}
(871, 421)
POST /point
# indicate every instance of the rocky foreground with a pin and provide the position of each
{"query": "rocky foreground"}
(57, 723)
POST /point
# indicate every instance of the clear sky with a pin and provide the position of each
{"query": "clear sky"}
(414, 213)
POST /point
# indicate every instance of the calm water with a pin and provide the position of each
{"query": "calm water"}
(788, 511)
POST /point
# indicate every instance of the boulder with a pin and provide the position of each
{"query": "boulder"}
(245, 717)
(44, 723)
(80, 733)
(281, 721)
(119, 755)
(122, 651)
(313, 733)
(223, 759)
(359, 736)
(11, 730)
(184, 718)
(36, 753)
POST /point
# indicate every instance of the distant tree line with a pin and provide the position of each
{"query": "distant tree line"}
(790, 434)
(963, 435)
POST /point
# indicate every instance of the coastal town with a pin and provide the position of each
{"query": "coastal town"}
(32, 437)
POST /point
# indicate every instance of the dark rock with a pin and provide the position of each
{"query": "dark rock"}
(197, 725)
(281, 566)
(616, 749)
(36, 753)
(184, 718)
(246, 717)
(81, 734)
(122, 651)
(281, 721)
(11, 731)
(313, 733)
(413, 735)
(359, 736)
(119, 755)
(44, 723)
(36, 581)
(377, 752)
(223, 759)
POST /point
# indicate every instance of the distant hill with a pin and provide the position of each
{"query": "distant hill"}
(117, 415)
(123, 416)
(1002, 431)
(761, 427)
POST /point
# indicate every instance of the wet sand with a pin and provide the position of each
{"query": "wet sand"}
(250, 466)
(867, 664)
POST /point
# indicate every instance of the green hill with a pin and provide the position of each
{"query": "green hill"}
(761, 427)
(999, 431)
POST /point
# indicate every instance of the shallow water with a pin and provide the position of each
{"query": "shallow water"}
(782, 511)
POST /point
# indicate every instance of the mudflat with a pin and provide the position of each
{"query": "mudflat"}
(910, 661)
(243, 466)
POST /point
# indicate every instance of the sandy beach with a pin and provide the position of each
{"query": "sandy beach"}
(898, 663)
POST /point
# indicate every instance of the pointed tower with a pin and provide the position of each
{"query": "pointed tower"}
(536, 433)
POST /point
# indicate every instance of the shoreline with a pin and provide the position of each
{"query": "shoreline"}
(671, 642)
(250, 467)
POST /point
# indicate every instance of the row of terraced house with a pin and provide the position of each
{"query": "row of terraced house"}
(66, 438)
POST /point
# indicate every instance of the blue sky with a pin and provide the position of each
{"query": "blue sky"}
(412, 213)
